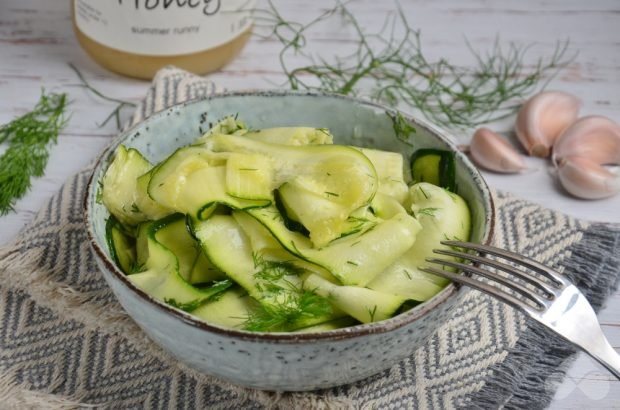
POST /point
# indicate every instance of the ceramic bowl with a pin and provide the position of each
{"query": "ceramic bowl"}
(280, 361)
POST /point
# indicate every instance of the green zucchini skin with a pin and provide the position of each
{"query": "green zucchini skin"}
(230, 310)
(434, 166)
(290, 223)
(160, 275)
(121, 245)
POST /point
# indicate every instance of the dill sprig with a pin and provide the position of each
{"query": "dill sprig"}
(116, 112)
(428, 211)
(283, 304)
(296, 306)
(391, 67)
(29, 138)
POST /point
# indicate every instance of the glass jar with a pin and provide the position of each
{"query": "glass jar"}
(138, 37)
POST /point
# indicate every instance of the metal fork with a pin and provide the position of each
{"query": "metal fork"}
(554, 302)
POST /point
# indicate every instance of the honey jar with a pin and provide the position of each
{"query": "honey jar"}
(138, 37)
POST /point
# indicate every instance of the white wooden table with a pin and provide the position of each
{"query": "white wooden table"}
(37, 42)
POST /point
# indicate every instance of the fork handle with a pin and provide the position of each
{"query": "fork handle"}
(606, 355)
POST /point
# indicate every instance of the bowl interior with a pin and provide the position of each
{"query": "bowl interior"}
(351, 122)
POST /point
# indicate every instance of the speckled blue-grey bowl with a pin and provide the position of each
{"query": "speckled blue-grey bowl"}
(280, 361)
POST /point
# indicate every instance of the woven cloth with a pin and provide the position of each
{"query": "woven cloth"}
(65, 342)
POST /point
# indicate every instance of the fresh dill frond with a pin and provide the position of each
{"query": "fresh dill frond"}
(423, 192)
(269, 270)
(29, 138)
(453, 238)
(281, 316)
(326, 132)
(217, 289)
(402, 128)
(358, 224)
(359, 219)
(187, 307)
(372, 313)
(390, 66)
(428, 211)
(99, 194)
(137, 268)
(283, 302)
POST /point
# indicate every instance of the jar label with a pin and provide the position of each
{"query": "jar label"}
(163, 27)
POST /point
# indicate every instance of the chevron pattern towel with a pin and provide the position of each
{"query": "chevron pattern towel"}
(65, 342)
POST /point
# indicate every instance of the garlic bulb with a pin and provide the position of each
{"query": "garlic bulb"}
(491, 151)
(543, 118)
(587, 179)
(594, 137)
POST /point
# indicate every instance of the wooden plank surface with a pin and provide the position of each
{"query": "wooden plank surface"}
(37, 42)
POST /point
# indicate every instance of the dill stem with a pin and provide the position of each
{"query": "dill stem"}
(399, 72)
(98, 93)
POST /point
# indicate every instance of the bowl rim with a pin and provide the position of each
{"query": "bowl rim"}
(379, 327)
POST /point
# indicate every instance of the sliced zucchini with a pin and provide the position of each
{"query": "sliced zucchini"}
(249, 176)
(339, 323)
(121, 245)
(204, 271)
(145, 204)
(374, 250)
(194, 266)
(434, 166)
(360, 221)
(363, 304)
(264, 243)
(339, 174)
(161, 277)
(193, 181)
(229, 125)
(293, 135)
(228, 248)
(323, 217)
(390, 171)
(231, 310)
(288, 215)
(404, 278)
(443, 215)
(316, 236)
(275, 284)
(176, 238)
(385, 206)
(121, 192)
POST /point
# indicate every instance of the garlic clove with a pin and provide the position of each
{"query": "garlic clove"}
(586, 179)
(491, 151)
(543, 118)
(594, 137)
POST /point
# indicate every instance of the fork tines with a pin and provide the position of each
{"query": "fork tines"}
(538, 295)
